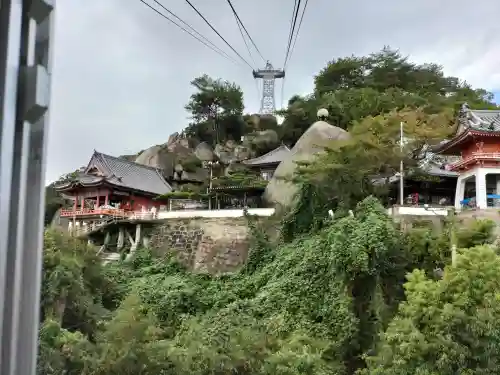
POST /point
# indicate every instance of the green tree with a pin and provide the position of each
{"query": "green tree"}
(132, 343)
(352, 169)
(352, 88)
(216, 110)
(449, 326)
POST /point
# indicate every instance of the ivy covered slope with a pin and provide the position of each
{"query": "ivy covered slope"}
(338, 295)
(314, 305)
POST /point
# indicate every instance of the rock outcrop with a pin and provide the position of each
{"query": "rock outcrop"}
(319, 135)
(204, 152)
(159, 157)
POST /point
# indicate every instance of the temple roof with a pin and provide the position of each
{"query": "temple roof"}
(275, 156)
(471, 123)
(435, 165)
(121, 173)
(479, 119)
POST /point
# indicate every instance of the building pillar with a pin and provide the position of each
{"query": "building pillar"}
(82, 203)
(121, 238)
(106, 199)
(459, 192)
(75, 203)
(137, 238)
(496, 202)
(481, 200)
(107, 238)
(97, 201)
(135, 243)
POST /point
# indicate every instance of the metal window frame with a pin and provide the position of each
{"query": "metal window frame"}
(25, 71)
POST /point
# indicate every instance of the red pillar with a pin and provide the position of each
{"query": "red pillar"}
(106, 198)
(83, 203)
(75, 203)
(97, 201)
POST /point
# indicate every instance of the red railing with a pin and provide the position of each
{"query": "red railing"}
(108, 212)
(476, 156)
(92, 212)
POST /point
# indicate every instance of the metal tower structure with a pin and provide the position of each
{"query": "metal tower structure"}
(268, 76)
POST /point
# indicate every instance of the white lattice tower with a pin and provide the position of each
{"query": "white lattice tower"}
(268, 76)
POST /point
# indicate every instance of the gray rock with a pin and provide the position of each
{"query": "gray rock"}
(159, 157)
(173, 138)
(309, 144)
(242, 153)
(204, 152)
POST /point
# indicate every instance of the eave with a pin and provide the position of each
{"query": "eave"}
(453, 147)
(79, 185)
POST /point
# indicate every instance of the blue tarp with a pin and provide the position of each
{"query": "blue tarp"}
(489, 196)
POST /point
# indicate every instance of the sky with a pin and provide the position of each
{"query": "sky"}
(121, 73)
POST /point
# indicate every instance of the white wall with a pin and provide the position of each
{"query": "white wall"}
(417, 211)
(213, 213)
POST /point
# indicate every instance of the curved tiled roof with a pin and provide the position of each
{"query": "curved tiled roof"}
(484, 119)
(124, 173)
(275, 156)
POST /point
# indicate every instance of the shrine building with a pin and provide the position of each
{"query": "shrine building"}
(477, 143)
(266, 164)
(111, 186)
(250, 195)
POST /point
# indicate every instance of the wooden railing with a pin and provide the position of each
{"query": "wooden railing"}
(98, 211)
(477, 156)
(88, 227)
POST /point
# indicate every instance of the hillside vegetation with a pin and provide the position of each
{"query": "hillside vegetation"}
(338, 295)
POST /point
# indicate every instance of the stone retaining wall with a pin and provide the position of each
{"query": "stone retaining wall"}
(214, 245)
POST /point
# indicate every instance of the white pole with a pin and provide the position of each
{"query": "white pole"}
(401, 185)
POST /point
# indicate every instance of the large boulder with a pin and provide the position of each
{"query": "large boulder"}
(159, 157)
(204, 152)
(309, 144)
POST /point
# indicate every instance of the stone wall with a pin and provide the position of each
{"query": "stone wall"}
(214, 245)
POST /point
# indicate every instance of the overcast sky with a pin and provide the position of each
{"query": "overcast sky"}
(121, 73)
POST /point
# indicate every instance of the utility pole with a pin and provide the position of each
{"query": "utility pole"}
(401, 167)
(25, 74)
(453, 236)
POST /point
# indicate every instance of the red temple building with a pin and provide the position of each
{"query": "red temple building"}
(111, 187)
(477, 143)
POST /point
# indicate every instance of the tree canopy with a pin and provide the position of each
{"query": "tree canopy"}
(216, 110)
(347, 292)
(353, 87)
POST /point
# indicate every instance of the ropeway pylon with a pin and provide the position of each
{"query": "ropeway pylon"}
(268, 76)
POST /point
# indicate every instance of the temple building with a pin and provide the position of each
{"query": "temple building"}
(432, 183)
(267, 163)
(249, 193)
(477, 143)
(111, 186)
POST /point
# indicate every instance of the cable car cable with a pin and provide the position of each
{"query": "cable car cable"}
(220, 52)
(213, 28)
(238, 19)
(297, 33)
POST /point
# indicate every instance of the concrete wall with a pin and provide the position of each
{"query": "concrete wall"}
(214, 245)
(226, 213)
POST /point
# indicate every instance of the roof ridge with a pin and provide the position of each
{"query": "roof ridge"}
(158, 172)
(127, 161)
(269, 152)
(99, 155)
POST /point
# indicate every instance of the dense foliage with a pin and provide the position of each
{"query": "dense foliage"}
(339, 292)
(315, 305)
